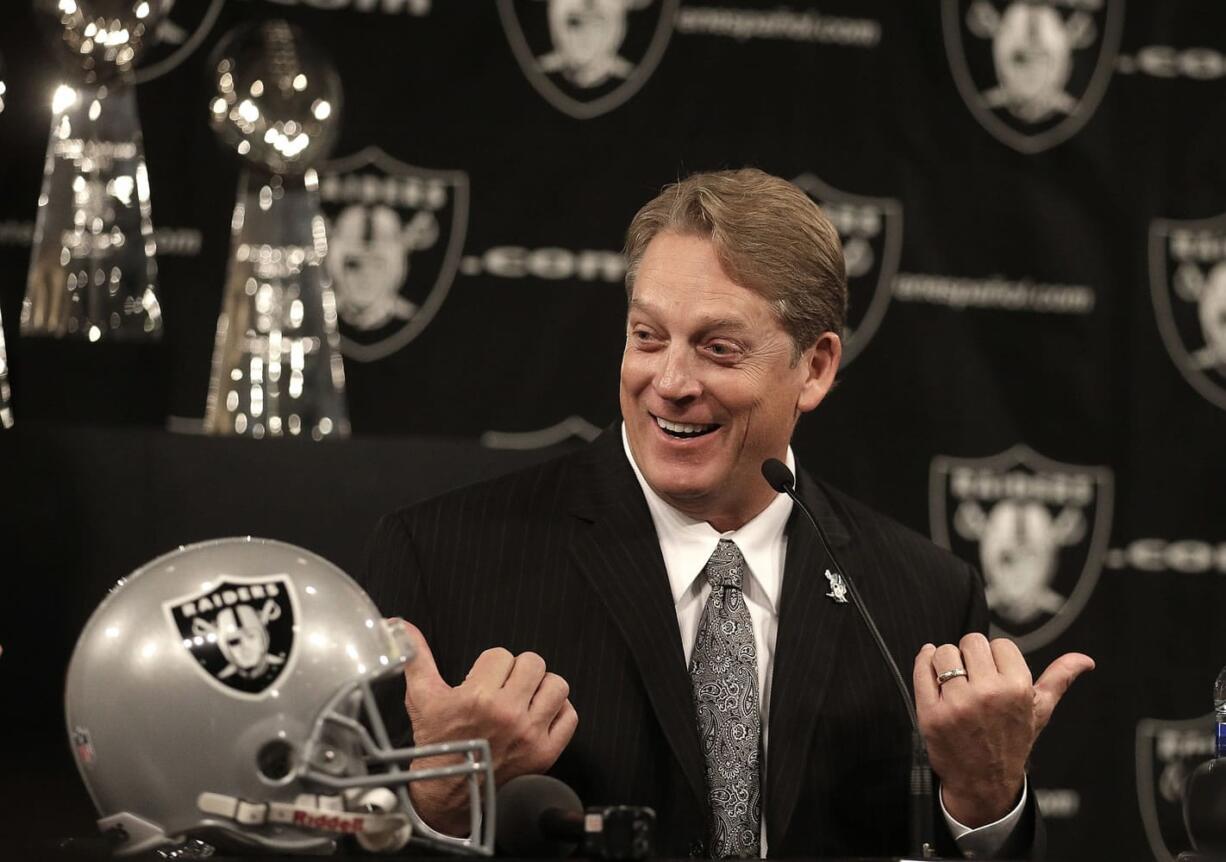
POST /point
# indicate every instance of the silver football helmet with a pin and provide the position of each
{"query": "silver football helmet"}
(223, 693)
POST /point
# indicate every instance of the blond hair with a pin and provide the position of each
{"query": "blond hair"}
(769, 237)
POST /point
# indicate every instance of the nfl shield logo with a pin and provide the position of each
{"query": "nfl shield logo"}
(871, 232)
(395, 237)
(587, 57)
(1037, 529)
(239, 631)
(1187, 261)
(1167, 752)
(1032, 71)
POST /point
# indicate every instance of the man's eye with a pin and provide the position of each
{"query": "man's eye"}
(721, 349)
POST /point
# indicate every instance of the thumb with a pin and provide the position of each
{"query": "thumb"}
(1055, 681)
(421, 676)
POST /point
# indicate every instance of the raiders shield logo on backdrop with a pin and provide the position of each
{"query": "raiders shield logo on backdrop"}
(1032, 71)
(587, 57)
(1187, 262)
(240, 631)
(395, 237)
(569, 429)
(871, 232)
(1167, 753)
(174, 38)
(1036, 528)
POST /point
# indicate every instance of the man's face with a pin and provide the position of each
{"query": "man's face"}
(709, 387)
(587, 30)
(366, 277)
(1032, 51)
(1212, 311)
(243, 639)
(369, 268)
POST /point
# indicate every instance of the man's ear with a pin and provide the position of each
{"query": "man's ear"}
(821, 363)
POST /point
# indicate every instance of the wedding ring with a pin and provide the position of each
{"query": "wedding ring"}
(945, 677)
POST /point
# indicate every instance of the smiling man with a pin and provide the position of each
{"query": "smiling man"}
(648, 620)
(712, 383)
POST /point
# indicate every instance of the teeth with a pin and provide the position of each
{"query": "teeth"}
(682, 428)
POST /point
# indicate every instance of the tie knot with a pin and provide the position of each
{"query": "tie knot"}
(726, 568)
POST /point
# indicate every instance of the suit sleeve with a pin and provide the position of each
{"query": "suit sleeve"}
(393, 580)
(976, 617)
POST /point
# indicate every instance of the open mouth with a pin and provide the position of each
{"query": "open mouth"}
(682, 430)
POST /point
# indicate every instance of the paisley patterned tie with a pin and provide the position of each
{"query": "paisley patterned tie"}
(724, 670)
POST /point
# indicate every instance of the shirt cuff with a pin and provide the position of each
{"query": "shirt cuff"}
(984, 841)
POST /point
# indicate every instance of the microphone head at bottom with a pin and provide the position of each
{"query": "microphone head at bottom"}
(528, 808)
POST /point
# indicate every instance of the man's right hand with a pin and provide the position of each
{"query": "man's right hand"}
(511, 701)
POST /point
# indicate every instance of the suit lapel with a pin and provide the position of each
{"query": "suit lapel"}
(619, 554)
(806, 650)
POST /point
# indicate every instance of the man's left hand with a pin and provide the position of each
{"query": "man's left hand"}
(980, 727)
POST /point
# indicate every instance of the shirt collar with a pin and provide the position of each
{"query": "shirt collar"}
(687, 543)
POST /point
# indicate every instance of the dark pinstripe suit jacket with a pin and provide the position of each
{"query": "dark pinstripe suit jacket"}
(563, 559)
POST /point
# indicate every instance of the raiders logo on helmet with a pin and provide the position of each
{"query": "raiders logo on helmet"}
(1167, 752)
(1036, 528)
(239, 630)
(1187, 261)
(395, 238)
(1032, 71)
(871, 232)
(587, 57)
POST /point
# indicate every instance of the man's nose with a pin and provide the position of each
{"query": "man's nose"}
(676, 378)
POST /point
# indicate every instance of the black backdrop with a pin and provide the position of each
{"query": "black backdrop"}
(1035, 277)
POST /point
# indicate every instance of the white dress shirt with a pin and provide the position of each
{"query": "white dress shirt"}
(687, 544)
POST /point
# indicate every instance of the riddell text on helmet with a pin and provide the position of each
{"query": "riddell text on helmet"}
(328, 822)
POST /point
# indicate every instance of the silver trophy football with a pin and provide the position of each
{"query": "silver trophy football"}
(93, 272)
(277, 366)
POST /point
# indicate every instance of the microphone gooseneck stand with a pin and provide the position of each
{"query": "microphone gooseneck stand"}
(781, 479)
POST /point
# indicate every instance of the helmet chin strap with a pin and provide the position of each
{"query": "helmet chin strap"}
(370, 815)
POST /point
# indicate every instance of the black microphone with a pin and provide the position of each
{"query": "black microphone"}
(779, 477)
(539, 816)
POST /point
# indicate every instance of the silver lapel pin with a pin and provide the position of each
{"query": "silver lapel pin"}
(838, 588)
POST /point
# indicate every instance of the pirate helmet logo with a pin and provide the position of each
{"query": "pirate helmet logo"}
(871, 232)
(396, 233)
(1030, 72)
(1018, 543)
(1188, 283)
(240, 631)
(370, 257)
(1167, 753)
(1038, 530)
(587, 57)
